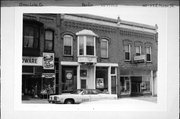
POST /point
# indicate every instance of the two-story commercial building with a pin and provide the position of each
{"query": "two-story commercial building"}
(64, 52)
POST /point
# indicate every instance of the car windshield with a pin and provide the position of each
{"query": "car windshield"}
(77, 91)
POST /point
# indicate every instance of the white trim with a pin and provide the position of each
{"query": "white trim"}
(106, 64)
(109, 80)
(69, 63)
(107, 23)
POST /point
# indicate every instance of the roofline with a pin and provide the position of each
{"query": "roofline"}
(112, 22)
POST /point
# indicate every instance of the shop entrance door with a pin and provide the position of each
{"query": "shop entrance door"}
(69, 78)
(83, 83)
(135, 85)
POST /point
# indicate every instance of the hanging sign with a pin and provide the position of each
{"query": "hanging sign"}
(48, 60)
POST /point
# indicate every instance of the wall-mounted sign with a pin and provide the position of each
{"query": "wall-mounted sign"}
(100, 83)
(140, 58)
(48, 60)
(48, 75)
(69, 74)
(32, 61)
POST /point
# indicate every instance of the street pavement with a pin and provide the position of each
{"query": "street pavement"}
(120, 100)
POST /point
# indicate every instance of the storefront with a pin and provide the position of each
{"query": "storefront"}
(136, 83)
(38, 76)
(102, 76)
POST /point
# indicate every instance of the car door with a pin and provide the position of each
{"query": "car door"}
(85, 97)
(94, 95)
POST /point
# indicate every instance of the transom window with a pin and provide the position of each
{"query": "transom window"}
(86, 45)
(49, 37)
(68, 45)
(148, 54)
(138, 50)
(104, 48)
(127, 50)
(31, 36)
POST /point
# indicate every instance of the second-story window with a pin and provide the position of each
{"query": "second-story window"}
(138, 50)
(127, 50)
(89, 45)
(148, 54)
(31, 36)
(104, 48)
(49, 37)
(86, 45)
(68, 45)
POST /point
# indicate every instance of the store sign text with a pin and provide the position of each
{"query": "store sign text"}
(32, 61)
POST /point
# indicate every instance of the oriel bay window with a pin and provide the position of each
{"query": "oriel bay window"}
(49, 38)
(68, 45)
(90, 45)
(86, 46)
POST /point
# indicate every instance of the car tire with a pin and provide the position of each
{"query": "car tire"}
(69, 101)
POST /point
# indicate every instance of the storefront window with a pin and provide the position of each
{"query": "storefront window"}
(145, 86)
(125, 85)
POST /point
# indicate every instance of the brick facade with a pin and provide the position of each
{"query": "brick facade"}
(117, 38)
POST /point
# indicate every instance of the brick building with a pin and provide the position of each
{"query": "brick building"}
(64, 52)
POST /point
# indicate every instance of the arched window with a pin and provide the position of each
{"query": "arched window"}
(68, 45)
(104, 48)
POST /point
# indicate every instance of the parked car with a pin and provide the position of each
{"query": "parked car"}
(81, 95)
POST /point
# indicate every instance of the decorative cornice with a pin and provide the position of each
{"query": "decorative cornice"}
(111, 23)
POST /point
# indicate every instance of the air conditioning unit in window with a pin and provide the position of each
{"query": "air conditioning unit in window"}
(140, 59)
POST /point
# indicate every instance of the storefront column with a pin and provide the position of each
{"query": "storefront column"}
(94, 76)
(109, 79)
(78, 77)
(152, 83)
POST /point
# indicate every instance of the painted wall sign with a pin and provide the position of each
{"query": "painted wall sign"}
(32, 61)
(48, 60)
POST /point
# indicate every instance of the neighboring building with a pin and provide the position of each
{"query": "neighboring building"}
(65, 52)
